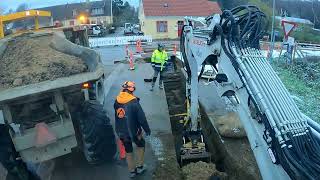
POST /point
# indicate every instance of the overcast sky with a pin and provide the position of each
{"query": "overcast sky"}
(7, 4)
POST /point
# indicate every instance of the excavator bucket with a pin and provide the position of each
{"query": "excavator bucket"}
(193, 148)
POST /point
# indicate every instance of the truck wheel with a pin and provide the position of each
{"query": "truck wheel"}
(17, 169)
(98, 137)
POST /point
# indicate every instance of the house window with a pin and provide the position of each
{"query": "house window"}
(97, 11)
(162, 26)
(74, 13)
(71, 23)
(93, 22)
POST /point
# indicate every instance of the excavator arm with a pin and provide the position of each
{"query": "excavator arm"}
(284, 144)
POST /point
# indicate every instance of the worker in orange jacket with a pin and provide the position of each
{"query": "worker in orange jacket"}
(129, 121)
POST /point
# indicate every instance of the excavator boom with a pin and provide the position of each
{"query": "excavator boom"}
(284, 144)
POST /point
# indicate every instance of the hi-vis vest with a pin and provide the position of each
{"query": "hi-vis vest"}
(158, 59)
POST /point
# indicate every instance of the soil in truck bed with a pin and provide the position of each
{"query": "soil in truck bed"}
(29, 60)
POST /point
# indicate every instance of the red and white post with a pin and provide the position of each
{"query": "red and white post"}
(131, 61)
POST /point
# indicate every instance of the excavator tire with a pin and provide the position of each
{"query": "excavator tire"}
(98, 137)
(17, 169)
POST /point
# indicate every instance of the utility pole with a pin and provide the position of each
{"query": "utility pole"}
(272, 31)
(111, 20)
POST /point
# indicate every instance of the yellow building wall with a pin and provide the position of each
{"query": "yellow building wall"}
(149, 27)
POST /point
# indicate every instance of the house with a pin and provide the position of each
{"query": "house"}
(95, 12)
(163, 19)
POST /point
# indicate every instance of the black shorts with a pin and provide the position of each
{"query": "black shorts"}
(127, 142)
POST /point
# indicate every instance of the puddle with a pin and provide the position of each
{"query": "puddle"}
(156, 145)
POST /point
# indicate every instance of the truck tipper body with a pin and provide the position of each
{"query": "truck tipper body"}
(48, 119)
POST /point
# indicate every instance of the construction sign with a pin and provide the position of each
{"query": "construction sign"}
(288, 27)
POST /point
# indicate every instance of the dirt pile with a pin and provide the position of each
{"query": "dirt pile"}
(229, 125)
(29, 60)
(202, 170)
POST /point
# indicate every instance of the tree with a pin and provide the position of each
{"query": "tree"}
(116, 6)
(10, 11)
(25, 22)
(22, 7)
(229, 4)
(118, 2)
(1, 11)
(124, 13)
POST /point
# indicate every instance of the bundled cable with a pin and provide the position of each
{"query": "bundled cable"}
(292, 142)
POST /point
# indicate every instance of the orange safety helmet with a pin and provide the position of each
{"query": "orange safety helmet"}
(129, 85)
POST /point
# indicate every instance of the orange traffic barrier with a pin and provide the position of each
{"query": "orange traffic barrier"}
(131, 61)
(122, 150)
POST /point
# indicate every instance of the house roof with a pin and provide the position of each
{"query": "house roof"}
(65, 11)
(180, 7)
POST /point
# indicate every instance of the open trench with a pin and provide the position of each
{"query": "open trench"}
(224, 151)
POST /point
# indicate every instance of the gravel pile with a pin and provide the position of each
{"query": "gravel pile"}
(29, 60)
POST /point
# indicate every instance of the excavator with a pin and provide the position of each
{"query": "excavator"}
(285, 142)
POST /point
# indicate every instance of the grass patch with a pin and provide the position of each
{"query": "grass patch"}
(306, 93)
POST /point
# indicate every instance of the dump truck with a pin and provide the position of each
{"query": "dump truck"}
(47, 119)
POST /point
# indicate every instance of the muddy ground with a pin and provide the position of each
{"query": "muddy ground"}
(167, 167)
(29, 60)
(202, 170)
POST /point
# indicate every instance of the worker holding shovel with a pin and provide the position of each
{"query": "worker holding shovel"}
(158, 60)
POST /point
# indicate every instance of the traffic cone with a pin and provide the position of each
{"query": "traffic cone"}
(175, 50)
(43, 135)
(131, 61)
(138, 46)
(127, 51)
(122, 150)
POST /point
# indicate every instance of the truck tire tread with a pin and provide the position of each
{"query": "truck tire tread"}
(98, 137)
(17, 169)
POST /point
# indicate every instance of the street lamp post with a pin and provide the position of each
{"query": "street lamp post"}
(272, 31)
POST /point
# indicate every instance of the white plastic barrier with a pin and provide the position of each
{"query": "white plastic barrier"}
(122, 40)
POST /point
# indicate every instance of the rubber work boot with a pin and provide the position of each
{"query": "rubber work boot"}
(141, 169)
(133, 174)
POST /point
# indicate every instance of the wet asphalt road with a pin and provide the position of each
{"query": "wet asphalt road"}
(74, 166)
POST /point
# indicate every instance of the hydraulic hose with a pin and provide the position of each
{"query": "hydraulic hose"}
(294, 143)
